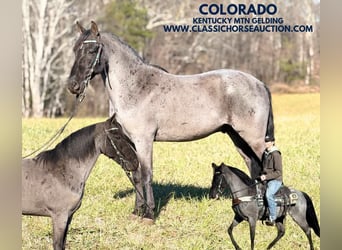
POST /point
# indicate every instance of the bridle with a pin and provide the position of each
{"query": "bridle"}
(219, 186)
(123, 163)
(92, 65)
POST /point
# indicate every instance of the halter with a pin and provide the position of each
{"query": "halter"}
(92, 66)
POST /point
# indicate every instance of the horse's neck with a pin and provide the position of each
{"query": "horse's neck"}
(122, 59)
(237, 186)
(86, 166)
(125, 70)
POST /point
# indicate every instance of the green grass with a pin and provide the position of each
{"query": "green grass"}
(186, 218)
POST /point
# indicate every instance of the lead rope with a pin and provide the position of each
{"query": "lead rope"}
(79, 99)
(47, 144)
(123, 165)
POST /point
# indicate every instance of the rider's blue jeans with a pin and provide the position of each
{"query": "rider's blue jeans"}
(272, 187)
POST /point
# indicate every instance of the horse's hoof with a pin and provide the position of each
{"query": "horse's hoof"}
(139, 211)
(148, 221)
(134, 217)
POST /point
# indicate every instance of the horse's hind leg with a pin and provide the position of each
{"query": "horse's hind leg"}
(303, 213)
(300, 218)
(251, 150)
(281, 231)
(236, 221)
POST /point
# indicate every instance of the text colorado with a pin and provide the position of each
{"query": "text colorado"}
(237, 9)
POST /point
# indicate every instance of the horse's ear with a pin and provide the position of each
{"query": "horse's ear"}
(80, 27)
(213, 165)
(94, 29)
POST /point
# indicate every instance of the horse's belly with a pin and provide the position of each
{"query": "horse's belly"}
(185, 131)
(30, 207)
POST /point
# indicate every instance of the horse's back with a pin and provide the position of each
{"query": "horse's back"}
(201, 104)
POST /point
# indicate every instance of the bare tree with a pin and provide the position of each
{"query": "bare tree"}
(48, 36)
(44, 29)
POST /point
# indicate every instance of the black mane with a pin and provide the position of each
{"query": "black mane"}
(78, 145)
(242, 175)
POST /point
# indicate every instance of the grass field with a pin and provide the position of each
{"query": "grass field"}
(186, 218)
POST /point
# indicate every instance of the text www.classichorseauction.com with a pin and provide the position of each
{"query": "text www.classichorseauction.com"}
(237, 18)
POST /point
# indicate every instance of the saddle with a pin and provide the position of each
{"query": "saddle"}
(283, 197)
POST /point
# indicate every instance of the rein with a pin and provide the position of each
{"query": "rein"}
(47, 144)
(254, 184)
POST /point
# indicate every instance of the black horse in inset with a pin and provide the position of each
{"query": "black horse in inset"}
(247, 206)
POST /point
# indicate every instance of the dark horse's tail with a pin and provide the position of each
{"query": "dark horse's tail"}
(311, 216)
(270, 123)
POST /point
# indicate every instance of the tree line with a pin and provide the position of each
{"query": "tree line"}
(49, 33)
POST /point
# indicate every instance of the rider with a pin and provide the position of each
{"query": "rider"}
(272, 174)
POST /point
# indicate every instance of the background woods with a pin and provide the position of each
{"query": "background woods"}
(49, 34)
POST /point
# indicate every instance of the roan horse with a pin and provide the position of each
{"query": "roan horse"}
(53, 182)
(247, 207)
(172, 107)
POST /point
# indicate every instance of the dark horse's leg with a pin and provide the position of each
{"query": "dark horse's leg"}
(60, 227)
(252, 224)
(281, 231)
(303, 213)
(236, 221)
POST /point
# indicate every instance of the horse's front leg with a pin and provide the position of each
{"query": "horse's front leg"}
(236, 221)
(60, 222)
(281, 231)
(252, 225)
(144, 152)
(139, 194)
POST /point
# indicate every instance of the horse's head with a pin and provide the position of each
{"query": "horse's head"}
(218, 184)
(119, 147)
(89, 59)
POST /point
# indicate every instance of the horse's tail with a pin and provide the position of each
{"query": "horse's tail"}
(270, 122)
(311, 216)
